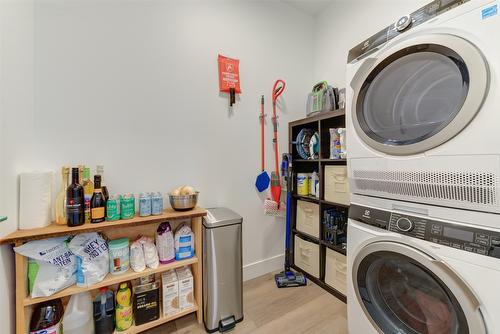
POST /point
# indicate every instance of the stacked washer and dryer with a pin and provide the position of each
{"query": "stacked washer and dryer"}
(423, 106)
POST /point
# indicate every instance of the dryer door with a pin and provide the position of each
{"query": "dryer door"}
(403, 290)
(418, 94)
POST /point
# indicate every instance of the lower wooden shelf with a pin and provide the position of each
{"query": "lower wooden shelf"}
(306, 198)
(111, 279)
(307, 236)
(334, 204)
(336, 248)
(323, 285)
(163, 319)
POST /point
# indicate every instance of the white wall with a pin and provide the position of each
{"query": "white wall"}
(16, 110)
(133, 85)
(345, 24)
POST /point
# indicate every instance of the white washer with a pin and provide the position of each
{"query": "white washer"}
(417, 269)
(422, 103)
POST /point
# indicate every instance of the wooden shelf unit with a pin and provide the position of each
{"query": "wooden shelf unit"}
(321, 123)
(162, 320)
(122, 228)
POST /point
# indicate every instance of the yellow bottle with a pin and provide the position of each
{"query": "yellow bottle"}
(81, 168)
(88, 190)
(124, 315)
(60, 206)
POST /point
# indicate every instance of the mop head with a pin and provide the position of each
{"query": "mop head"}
(290, 279)
(271, 208)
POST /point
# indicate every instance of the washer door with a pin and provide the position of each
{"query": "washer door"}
(418, 94)
(402, 290)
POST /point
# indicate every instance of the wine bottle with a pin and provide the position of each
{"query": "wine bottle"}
(88, 191)
(75, 201)
(100, 171)
(97, 203)
(61, 197)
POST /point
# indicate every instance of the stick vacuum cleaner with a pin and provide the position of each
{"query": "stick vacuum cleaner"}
(288, 278)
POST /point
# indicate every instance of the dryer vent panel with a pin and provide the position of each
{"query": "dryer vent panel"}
(477, 190)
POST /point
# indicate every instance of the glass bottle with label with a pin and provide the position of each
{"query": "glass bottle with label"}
(75, 202)
(60, 205)
(88, 191)
(46, 317)
(97, 203)
(81, 169)
(100, 171)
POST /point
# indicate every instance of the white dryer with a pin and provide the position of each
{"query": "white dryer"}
(411, 270)
(422, 103)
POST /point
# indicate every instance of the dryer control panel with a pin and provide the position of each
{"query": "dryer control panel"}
(467, 238)
(403, 24)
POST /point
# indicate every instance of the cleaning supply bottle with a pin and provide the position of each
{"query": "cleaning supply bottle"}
(104, 311)
(124, 315)
(314, 185)
(46, 317)
(78, 315)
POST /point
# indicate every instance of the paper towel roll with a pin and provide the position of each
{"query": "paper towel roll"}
(35, 199)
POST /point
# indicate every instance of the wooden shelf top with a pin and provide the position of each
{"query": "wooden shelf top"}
(318, 117)
(335, 204)
(111, 279)
(54, 230)
(335, 248)
(306, 198)
(163, 319)
(305, 160)
(306, 235)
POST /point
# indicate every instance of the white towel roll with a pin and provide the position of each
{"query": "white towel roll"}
(35, 199)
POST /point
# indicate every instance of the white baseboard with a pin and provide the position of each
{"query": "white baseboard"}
(259, 268)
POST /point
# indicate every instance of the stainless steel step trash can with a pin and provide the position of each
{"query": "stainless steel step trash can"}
(222, 270)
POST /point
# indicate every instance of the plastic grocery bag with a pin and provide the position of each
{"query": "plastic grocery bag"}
(92, 258)
(51, 267)
(137, 260)
(150, 252)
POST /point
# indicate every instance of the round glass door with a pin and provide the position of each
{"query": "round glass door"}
(413, 96)
(421, 95)
(402, 296)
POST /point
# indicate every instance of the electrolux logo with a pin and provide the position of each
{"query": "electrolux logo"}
(366, 45)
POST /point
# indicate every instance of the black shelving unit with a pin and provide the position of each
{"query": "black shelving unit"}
(321, 123)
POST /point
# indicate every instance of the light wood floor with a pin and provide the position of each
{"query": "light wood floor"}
(268, 309)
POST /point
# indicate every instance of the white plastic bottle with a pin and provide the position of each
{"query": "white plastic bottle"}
(78, 317)
(313, 185)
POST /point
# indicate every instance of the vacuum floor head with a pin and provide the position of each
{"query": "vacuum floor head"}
(289, 279)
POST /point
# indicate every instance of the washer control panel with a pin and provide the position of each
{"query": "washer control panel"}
(404, 224)
(467, 238)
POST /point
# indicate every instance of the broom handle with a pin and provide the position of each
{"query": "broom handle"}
(278, 88)
(276, 153)
(263, 156)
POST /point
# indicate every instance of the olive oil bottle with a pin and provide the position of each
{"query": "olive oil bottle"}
(60, 205)
(88, 191)
(97, 203)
